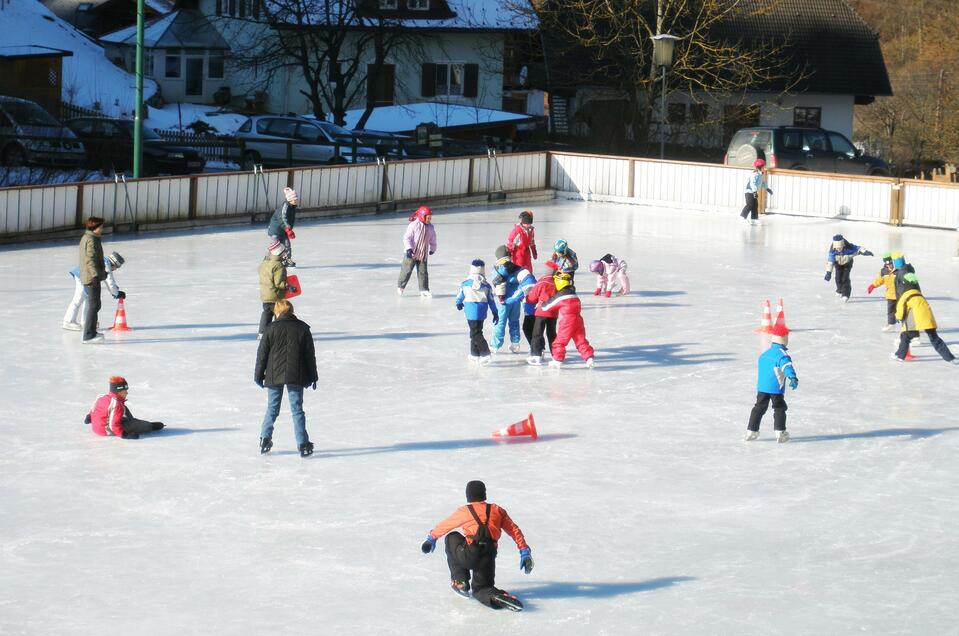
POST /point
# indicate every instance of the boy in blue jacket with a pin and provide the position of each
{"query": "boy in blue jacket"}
(775, 369)
(476, 295)
(514, 281)
(839, 257)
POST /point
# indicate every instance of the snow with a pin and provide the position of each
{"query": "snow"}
(644, 509)
(152, 32)
(89, 79)
(175, 116)
(470, 14)
(405, 117)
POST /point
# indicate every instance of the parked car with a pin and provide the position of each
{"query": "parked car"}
(30, 135)
(109, 145)
(277, 141)
(797, 148)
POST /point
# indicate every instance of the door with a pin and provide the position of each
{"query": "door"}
(817, 155)
(315, 147)
(194, 77)
(845, 155)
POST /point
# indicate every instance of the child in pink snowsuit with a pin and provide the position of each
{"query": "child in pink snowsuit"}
(420, 243)
(610, 271)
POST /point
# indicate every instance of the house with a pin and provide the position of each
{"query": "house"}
(96, 17)
(838, 63)
(34, 73)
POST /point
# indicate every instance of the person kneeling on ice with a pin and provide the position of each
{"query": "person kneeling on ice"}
(483, 524)
(914, 312)
(610, 271)
(111, 263)
(887, 278)
(569, 323)
(111, 417)
(775, 368)
(839, 257)
(476, 295)
(515, 281)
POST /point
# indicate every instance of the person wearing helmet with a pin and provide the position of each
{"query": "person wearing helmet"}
(840, 257)
(887, 278)
(756, 181)
(915, 314)
(610, 271)
(569, 322)
(111, 263)
(420, 243)
(565, 258)
(522, 241)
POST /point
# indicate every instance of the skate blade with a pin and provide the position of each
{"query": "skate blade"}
(508, 602)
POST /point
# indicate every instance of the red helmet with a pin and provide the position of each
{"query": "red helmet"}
(421, 213)
(759, 163)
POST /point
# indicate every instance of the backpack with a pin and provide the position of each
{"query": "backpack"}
(482, 540)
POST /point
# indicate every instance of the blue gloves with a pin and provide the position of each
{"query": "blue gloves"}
(866, 253)
(495, 318)
(429, 545)
(409, 253)
(793, 383)
(525, 561)
(459, 306)
(827, 276)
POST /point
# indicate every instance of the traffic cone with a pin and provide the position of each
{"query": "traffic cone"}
(767, 323)
(780, 315)
(519, 429)
(120, 320)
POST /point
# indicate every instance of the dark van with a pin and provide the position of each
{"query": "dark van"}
(797, 148)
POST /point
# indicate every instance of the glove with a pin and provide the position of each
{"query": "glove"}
(495, 319)
(525, 561)
(259, 383)
(866, 253)
(130, 435)
(409, 253)
(429, 545)
(459, 306)
(597, 292)
(769, 191)
(433, 252)
(532, 249)
(87, 419)
(314, 386)
(121, 295)
(290, 234)
(793, 383)
(501, 299)
(292, 288)
(870, 288)
(827, 276)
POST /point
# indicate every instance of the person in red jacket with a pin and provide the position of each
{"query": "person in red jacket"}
(544, 321)
(522, 243)
(111, 417)
(569, 325)
(483, 523)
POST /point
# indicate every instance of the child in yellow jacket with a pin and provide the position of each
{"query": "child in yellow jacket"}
(914, 312)
(887, 277)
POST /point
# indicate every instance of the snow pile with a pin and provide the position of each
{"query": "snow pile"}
(405, 117)
(180, 116)
(89, 78)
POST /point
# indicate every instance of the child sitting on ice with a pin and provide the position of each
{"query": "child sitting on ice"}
(610, 271)
(476, 296)
(111, 417)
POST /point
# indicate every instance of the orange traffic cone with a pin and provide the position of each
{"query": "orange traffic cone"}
(120, 320)
(767, 323)
(780, 315)
(519, 429)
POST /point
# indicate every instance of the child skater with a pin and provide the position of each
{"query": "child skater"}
(839, 257)
(273, 285)
(483, 524)
(476, 295)
(775, 368)
(111, 263)
(110, 416)
(420, 243)
(756, 181)
(511, 282)
(281, 224)
(569, 323)
(521, 241)
(887, 278)
(544, 320)
(914, 312)
(610, 271)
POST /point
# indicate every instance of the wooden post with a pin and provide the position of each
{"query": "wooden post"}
(469, 178)
(191, 210)
(896, 201)
(631, 186)
(79, 212)
(548, 172)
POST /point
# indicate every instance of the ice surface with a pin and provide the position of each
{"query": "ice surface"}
(645, 511)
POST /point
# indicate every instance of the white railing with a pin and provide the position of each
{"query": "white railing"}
(930, 204)
(831, 196)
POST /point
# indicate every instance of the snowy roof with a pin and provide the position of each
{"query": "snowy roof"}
(63, 7)
(180, 29)
(404, 118)
(446, 15)
(89, 78)
(31, 50)
(480, 14)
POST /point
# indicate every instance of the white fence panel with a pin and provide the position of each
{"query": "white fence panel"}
(232, 194)
(860, 199)
(930, 204)
(526, 171)
(102, 199)
(590, 175)
(414, 180)
(155, 200)
(38, 209)
(338, 186)
(689, 185)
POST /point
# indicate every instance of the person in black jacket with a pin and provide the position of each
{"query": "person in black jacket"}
(286, 357)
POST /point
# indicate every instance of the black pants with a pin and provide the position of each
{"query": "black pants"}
(463, 557)
(541, 324)
(93, 308)
(266, 317)
(762, 403)
(528, 324)
(133, 425)
(843, 284)
(751, 207)
(478, 344)
(890, 312)
(422, 273)
(937, 343)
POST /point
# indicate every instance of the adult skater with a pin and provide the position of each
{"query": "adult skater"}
(281, 224)
(775, 369)
(839, 257)
(514, 281)
(419, 240)
(569, 323)
(110, 415)
(756, 181)
(476, 296)
(914, 312)
(273, 285)
(522, 242)
(110, 264)
(92, 273)
(285, 357)
(483, 524)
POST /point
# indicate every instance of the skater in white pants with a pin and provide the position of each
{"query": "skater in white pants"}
(74, 309)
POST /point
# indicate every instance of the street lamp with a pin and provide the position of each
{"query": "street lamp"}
(663, 45)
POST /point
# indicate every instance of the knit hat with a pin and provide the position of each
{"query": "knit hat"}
(291, 196)
(526, 217)
(276, 248)
(475, 491)
(560, 246)
(596, 266)
(117, 384)
(887, 256)
(759, 163)
(477, 267)
(502, 254)
(838, 237)
(780, 334)
(838, 241)
(116, 260)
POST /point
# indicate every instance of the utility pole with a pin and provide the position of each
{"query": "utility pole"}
(942, 74)
(138, 107)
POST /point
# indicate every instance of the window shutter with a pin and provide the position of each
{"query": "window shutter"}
(471, 81)
(428, 86)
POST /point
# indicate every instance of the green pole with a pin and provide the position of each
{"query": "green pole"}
(138, 116)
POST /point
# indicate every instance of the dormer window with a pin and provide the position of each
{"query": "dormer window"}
(418, 5)
(387, 4)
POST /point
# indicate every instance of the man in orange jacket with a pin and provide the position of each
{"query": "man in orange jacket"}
(482, 523)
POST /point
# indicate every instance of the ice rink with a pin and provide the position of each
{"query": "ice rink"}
(645, 510)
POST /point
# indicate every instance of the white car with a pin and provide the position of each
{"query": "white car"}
(277, 141)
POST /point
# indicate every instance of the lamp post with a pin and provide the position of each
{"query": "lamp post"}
(663, 45)
(138, 108)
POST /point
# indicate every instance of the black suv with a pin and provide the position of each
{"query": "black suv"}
(795, 148)
(109, 145)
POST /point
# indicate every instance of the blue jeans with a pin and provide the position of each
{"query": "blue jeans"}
(274, 397)
(507, 314)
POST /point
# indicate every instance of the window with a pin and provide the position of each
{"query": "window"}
(262, 125)
(449, 78)
(281, 128)
(243, 8)
(246, 127)
(698, 113)
(173, 70)
(219, 7)
(215, 65)
(841, 144)
(379, 84)
(387, 4)
(792, 140)
(255, 9)
(807, 116)
(676, 113)
(232, 7)
(814, 140)
(309, 133)
(418, 5)
(147, 63)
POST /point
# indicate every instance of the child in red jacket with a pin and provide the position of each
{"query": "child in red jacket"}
(111, 417)
(522, 242)
(544, 321)
(569, 324)
(483, 523)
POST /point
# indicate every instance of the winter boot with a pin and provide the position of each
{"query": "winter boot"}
(485, 360)
(556, 364)
(783, 437)
(72, 326)
(751, 435)
(514, 347)
(306, 449)
(590, 363)
(426, 293)
(157, 426)
(535, 361)
(461, 587)
(599, 290)
(266, 444)
(502, 599)
(609, 293)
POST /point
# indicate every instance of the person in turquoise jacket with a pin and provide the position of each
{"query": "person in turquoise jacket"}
(510, 282)
(775, 369)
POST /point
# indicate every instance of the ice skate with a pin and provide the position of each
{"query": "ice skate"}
(608, 294)
(514, 347)
(896, 358)
(485, 361)
(556, 364)
(845, 299)
(535, 361)
(751, 435)
(97, 339)
(754, 221)
(954, 361)
(783, 437)
(590, 363)
(473, 359)
(399, 291)
(157, 426)
(306, 449)
(598, 291)
(266, 444)
(426, 293)
(889, 327)
(503, 599)
(460, 587)
(72, 326)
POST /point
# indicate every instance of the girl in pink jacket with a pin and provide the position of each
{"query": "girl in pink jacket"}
(610, 271)
(420, 243)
